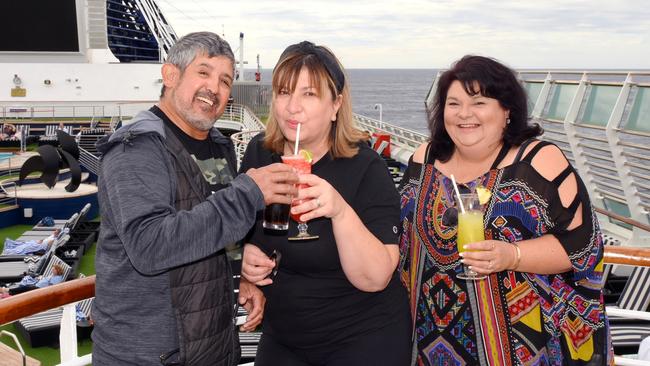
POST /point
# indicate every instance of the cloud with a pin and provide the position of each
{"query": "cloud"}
(432, 34)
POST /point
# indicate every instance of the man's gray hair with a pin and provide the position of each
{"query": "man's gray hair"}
(185, 50)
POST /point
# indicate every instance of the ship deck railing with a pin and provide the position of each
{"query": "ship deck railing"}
(67, 294)
(8, 187)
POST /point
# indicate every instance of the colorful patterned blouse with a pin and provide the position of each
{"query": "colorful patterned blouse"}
(510, 318)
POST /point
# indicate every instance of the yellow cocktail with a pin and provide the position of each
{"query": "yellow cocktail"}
(470, 229)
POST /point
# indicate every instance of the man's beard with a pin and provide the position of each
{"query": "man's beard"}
(197, 120)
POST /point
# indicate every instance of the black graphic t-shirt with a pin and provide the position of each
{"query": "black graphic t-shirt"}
(205, 153)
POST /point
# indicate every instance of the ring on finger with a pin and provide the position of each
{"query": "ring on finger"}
(318, 204)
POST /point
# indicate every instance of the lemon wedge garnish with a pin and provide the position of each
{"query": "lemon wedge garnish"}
(483, 194)
(306, 155)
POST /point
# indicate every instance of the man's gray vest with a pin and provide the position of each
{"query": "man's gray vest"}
(202, 292)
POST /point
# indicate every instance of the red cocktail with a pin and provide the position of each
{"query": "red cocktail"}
(302, 166)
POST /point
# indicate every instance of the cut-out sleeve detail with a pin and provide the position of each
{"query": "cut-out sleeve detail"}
(583, 243)
(563, 175)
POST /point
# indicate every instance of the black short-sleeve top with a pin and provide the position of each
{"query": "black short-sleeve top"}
(311, 302)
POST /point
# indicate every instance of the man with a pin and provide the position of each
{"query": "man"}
(169, 206)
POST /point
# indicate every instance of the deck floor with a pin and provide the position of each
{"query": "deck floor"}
(11, 357)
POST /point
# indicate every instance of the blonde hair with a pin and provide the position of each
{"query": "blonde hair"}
(344, 136)
(57, 269)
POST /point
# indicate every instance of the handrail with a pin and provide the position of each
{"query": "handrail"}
(35, 301)
(630, 256)
(624, 219)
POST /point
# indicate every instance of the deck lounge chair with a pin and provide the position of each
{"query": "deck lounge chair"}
(34, 235)
(58, 224)
(248, 343)
(42, 329)
(630, 319)
(15, 267)
(70, 223)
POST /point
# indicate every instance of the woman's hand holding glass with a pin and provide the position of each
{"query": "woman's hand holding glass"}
(320, 199)
(489, 256)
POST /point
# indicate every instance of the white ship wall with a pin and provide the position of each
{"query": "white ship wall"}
(80, 84)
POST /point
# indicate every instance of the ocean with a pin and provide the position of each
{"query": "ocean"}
(401, 93)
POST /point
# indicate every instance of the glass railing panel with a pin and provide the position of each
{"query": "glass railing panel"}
(639, 117)
(561, 101)
(618, 208)
(600, 104)
(533, 90)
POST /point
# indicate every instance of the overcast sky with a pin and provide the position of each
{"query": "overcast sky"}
(431, 34)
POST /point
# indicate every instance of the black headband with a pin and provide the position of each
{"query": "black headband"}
(325, 56)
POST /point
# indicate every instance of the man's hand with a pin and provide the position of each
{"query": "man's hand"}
(276, 181)
(253, 300)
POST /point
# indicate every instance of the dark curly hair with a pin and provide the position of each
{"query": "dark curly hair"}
(494, 80)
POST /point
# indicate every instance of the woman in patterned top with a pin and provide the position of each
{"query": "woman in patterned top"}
(541, 303)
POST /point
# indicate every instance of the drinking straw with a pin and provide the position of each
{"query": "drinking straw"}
(460, 202)
(295, 147)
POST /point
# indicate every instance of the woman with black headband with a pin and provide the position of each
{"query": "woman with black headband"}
(333, 300)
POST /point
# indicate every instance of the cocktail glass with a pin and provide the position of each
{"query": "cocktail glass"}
(302, 166)
(470, 230)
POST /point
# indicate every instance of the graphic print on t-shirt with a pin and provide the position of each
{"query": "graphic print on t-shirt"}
(215, 171)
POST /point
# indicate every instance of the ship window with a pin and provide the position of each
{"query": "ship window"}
(561, 101)
(639, 117)
(600, 104)
(533, 90)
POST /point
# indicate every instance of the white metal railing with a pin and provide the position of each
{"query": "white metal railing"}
(242, 114)
(7, 185)
(251, 126)
(403, 141)
(68, 339)
(89, 161)
(241, 140)
(587, 115)
(114, 121)
(18, 345)
(6, 197)
(83, 112)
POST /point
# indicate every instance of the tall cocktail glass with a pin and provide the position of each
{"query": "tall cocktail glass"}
(470, 229)
(302, 166)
